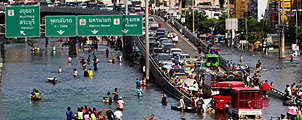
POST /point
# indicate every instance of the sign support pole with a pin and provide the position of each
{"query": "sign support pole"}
(283, 37)
(147, 62)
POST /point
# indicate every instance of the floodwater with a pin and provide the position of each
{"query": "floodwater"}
(278, 71)
(24, 70)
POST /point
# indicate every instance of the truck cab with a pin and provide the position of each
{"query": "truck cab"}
(246, 102)
(212, 58)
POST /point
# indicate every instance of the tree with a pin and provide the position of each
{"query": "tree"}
(299, 34)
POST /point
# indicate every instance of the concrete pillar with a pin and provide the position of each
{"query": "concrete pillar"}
(72, 50)
(127, 45)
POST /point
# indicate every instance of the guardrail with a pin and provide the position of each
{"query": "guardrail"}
(196, 41)
(159, 78)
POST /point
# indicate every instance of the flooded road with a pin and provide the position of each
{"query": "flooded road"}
(24, 69)
(278, 71)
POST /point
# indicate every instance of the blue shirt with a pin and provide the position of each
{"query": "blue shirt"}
(137, 82)
(68, 113)
(140, 92)
(230, 65)
(110, 97)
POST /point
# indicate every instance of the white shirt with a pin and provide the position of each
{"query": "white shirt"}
(294, 108)
(118, 114)
(181, 102)
(144, 68)
(248, 78)
(289, 90)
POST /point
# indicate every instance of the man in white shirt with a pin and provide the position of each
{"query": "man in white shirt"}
(144, 71)
(118, 114)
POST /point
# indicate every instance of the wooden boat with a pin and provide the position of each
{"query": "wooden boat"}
(187, 109)
(51, 79)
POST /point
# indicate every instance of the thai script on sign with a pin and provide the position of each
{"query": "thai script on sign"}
(131, 20)
(99, 20)
(26, 11)
(27, 22)
(61, 20)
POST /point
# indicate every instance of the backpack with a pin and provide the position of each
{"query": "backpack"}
(110, 115)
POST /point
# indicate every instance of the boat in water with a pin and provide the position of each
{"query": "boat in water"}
(54, 79)
(187, 109)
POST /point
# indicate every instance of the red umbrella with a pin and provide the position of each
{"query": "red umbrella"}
(217, 50)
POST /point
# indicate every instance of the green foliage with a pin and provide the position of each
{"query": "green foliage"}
(255, 28)
(299, 34)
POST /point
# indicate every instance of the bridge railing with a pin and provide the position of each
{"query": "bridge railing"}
(194, 39)
(158, 76)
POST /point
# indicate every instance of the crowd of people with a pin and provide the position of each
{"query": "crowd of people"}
(86, 113)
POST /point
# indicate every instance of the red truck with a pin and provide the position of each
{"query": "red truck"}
(246, 102)
(221, 91)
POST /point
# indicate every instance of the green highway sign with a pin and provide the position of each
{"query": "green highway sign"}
(100, 25)
(58, 26)
(22, 21)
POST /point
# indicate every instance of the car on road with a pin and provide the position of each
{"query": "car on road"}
(83, 5)
(157, 34)
(161, 30)
(18, 3)
(157, 50)
(153, 44)
(100, 7)
(31, 3)
(163, 59)
(91, 4)
(167, 47)
(110, 6)
(164, 42)
(163, 39)
(56, 3)
(175, 51)
(46, 4)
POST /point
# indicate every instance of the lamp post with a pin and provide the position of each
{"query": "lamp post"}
(147, 40)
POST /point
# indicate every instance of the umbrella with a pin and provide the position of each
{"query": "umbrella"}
(167, 66)
(175, 66)
(292, 112)
(217, 50)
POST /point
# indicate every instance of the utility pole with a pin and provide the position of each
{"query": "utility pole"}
(169, 4)
(283, 36)
(246, 29)
(193, 1)
(147, 62)
(180, 7)
(126, 6)
(228, 18)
